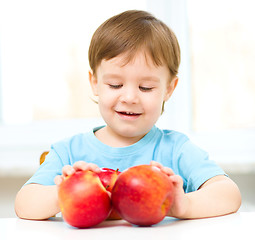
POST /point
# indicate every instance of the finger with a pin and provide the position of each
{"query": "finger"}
(81, 165)
(58, 179)
(167, 171)
(156, 164)
(93, 167)
(177, 180)
(67, 170)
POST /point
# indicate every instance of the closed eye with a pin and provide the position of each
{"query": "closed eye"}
(115, 86)
(145, 89)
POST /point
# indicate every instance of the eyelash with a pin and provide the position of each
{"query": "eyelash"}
(144, 89)
(115, 86)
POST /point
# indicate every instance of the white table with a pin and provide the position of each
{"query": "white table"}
(240, 226)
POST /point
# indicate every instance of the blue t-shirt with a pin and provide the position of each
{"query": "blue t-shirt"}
(170, 148)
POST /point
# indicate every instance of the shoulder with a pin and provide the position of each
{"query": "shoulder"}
(76, 147)
(181, 143)
(180, 148)
(169, 145)
(72, 141)
(172, 137)
(72, 146)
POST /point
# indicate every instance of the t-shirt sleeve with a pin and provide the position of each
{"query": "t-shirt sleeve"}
(50, 168)
(195, 166)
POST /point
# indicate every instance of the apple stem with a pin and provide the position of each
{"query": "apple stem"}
(117, 170)
(107, 186)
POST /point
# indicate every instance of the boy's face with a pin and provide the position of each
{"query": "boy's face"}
(130, 96)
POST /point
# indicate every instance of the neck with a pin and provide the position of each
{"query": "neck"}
(110, 138)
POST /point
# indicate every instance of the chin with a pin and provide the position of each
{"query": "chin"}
(133, 133)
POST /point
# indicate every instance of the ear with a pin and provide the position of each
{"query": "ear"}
(170, 88)
(93, 82)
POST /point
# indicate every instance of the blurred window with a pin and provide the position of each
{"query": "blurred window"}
(222, 37)
(44, 66)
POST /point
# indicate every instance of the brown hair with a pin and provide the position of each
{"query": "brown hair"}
(131, 31)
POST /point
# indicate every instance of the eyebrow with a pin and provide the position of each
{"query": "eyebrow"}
(151, 78)
(111, 75)
(117, 76)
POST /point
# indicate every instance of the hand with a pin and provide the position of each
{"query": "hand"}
(78, 166)
(180, 201)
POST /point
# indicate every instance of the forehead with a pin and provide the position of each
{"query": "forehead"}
(140, 58)
(141, 66)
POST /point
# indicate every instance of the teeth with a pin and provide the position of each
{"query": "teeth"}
(130, 113)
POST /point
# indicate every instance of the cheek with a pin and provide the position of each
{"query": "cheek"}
(154, 104)
(106, 99)
(103, 94)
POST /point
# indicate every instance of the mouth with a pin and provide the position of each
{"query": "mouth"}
(128, 115)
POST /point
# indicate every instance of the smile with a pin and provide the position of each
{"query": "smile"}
(128, 115)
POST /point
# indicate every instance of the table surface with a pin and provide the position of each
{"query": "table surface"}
(239, 225)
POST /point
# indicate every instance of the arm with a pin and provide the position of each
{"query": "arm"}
(35, 201)
(217, 196)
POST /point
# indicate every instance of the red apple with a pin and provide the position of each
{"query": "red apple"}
(108, 178)
(83, 200)
(142, 195)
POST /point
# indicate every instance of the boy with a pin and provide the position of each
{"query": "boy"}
(134, 60)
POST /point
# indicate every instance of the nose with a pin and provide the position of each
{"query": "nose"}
(129, 96)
